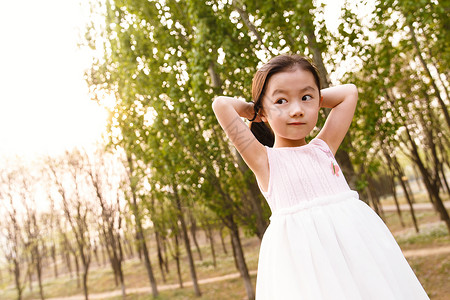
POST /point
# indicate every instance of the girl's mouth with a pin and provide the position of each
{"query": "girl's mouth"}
(296, 123)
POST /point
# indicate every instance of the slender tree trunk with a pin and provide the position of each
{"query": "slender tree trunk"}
(242, 265)
(129, 248)
(177, 260)
(77, 269)
(97, 258)
(211, 243)
(427, 71)
(432, 187)
(235, 259)
(146, 256)
(444, 179)
(138, 247)
(254, 196)
(193, 230)
(68, 263)
(160, 257)
(375, 198)
(187, 243)
(140, 231)
(111, 259)
(394, 194)
(222, 241)
(245, 17)
(85, 285)
(30, 278)
(410, 203)
(38, 261)
(166, 260)
(19, 287)
(55, 266)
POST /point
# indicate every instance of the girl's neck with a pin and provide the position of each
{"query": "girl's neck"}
(285, 143)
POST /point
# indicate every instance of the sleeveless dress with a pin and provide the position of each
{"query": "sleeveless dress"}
(322, 241)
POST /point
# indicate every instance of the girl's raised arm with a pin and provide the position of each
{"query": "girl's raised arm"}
(229, 111)
(342, 100)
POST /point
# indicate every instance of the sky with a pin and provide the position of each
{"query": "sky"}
(44, 103)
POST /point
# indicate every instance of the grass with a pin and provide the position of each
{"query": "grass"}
(434, 279)
(101, 278)
(230, 289)
(433, 271)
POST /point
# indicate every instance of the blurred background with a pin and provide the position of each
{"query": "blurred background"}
(116, 180)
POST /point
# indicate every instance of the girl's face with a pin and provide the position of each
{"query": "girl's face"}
(291, 105)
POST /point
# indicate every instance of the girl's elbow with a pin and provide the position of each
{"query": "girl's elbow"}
(353, 92)
(216, 102)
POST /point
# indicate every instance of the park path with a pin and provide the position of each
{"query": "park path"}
(147, 290)
(416, 206)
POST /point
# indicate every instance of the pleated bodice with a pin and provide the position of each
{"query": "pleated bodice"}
(299, 174)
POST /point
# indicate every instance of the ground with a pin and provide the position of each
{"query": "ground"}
(426, 251)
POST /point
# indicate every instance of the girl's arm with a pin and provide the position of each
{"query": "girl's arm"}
(229, 111)
(342, 101)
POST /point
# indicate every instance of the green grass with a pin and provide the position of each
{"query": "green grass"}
(101, 278)
(428, 236)
(434, 279)
(230, 289)
(420, 197)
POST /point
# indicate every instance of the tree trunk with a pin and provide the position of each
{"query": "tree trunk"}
(222, 240)
(30, 278)
(444, 179)
(38, 261)
(19, 287)
(142, 245)
(410, 203)
(432, 187)
(77, 269)
(160, 257)
(187, 243)
(129, 248)
(394, 194)
(177, 260)
(85, 286)
(193, 229)
(375, 198)
(146, 256)
(166, 260)
(427, 71)
(69, 265)
(240, 259)
(211, 243)
(55, 266)
(254, 197)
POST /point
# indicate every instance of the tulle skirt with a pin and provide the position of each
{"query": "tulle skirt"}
(333, 248)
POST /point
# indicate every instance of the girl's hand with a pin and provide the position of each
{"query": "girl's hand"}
(342, 100)
(253, 117)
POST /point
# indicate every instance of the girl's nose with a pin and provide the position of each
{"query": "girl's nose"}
(296, 110)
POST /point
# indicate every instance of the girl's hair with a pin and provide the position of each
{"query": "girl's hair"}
(278, 64)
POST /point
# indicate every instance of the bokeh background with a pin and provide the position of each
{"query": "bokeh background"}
(116, 180)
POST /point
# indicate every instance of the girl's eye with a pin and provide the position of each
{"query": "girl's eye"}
(280, 101)
(306, 98)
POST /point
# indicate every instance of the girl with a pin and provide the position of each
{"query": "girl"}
(322, 242)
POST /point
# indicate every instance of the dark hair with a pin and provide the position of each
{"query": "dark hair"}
(281, 63)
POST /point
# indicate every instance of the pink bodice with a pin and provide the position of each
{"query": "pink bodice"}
(299, 174)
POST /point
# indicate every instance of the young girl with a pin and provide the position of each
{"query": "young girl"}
(322, 242)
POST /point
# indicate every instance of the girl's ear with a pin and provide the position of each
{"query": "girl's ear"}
(321, 101)
(262, 116)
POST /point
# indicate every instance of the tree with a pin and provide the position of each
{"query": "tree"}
(70, 180)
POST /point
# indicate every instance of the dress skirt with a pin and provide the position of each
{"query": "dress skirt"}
(333, 248)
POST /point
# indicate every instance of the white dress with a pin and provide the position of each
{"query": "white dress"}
(323, 243)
